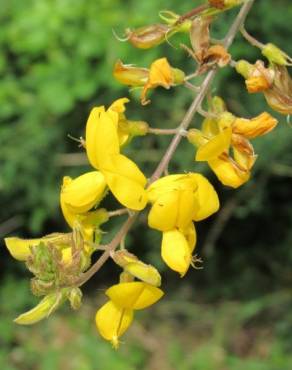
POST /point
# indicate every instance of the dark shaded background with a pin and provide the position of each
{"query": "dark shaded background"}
(56, 59)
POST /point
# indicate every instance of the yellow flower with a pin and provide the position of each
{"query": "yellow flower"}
(114, 318)
(84, 192)
(78, 196)
(122, 175)
(177, 201)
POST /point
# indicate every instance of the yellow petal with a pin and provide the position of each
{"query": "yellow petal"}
(134, 295)
(165, 184)
(90, 135)
(258, 126)
(228, 172)
(112, 321)
(68, 214)
(125, 181)
(20, 248)
(163, 213)
(101, 135)
(215, 146)
(175, 251)
(46, 306)
(206, 198)
(84, 192)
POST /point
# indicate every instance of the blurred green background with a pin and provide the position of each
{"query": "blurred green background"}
(56, 59)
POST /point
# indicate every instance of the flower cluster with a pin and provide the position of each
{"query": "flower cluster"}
(61, 262)
(223, 132)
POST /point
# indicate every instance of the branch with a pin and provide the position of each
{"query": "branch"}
(162, 166)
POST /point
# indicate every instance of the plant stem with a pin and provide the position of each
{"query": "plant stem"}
(160, 131)
(192, 13)
(162, 166)
(118, 212)
(251, 39)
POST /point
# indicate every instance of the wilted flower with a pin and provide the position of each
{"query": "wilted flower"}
(148, 36)
(204, 53)
(275, 83)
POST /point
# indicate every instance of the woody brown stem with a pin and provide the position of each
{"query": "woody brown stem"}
(163, 165)
(192, 13)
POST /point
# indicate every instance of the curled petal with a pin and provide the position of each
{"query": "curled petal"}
(160, 74)
(176, 251)
(135, 295)
(125, 181)
(82, 193)
(258, 126)
(112, 321)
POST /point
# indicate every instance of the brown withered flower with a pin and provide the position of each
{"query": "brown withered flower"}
(205, 54)
(148, 36)
(274, 81)
(279, 96)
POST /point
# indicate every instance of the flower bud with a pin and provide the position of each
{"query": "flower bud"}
(75, 298)
(244, 68)
(132, 265)
(137, 128)
(148, 36)
(178, 76)
(276, 55)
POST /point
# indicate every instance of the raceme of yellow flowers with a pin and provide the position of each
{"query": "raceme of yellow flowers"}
(60, 262)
